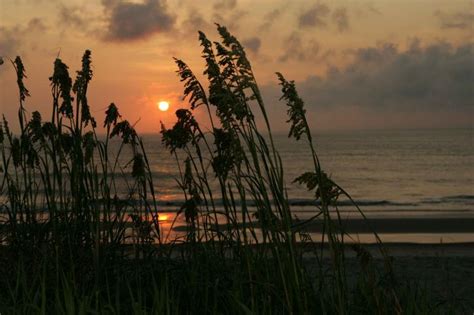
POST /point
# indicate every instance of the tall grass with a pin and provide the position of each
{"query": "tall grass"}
(73, 242)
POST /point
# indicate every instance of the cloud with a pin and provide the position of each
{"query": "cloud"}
(193, 22)
(129, 21)
(227, 13)
(370, 7)
(298, 49)
(9, 41)
(72, 16)
(364, 9)
(252, 43)
(232, 19)
(110, 3)
(14, 38)
(270, 18)
(315, 16)
(225, 5)
(82, 20)
(341, 19)
(35, 25)
(459, 20)
(437, 79)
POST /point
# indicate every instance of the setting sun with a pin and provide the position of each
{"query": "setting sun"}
(163, 106)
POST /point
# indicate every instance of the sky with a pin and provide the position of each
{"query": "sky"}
(357, 64)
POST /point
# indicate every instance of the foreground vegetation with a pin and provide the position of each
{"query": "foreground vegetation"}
(73, 242)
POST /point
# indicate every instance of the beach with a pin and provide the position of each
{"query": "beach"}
(444, 271)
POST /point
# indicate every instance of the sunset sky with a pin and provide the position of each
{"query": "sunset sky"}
(357, 64)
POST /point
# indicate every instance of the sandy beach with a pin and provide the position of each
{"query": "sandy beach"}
(444, 271)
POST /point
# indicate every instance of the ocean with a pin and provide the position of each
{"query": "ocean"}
(392, 175)
(414, 185)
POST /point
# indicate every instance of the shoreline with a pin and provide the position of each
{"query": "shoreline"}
(402, 225)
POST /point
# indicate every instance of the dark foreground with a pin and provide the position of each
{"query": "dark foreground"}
(427, 279)
(444, 272)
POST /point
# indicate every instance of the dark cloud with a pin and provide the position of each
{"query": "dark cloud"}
(225, 5)
(129, 21)
(315, 16)
(459, 20)
(341, 19)
(253, 44)
(436, 78)
(13, 39)
(298, 49)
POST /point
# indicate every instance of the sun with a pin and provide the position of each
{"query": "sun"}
(163, 106)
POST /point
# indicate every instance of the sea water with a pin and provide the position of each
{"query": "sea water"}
(391, 174)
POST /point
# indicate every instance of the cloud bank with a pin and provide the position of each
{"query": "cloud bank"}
(435, 78)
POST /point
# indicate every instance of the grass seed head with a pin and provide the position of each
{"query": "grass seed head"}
(34, 127)
(138, 168)
(88, 143)
(296, 111)
(124, 130)
(21, 74)
(184, 131)
(61, 80)
(111, 115)
(1, 134)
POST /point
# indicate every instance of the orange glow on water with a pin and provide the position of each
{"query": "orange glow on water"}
(163, 217)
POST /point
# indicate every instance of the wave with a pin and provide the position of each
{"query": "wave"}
(302, 203)
(464, 199)
(457, 197)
